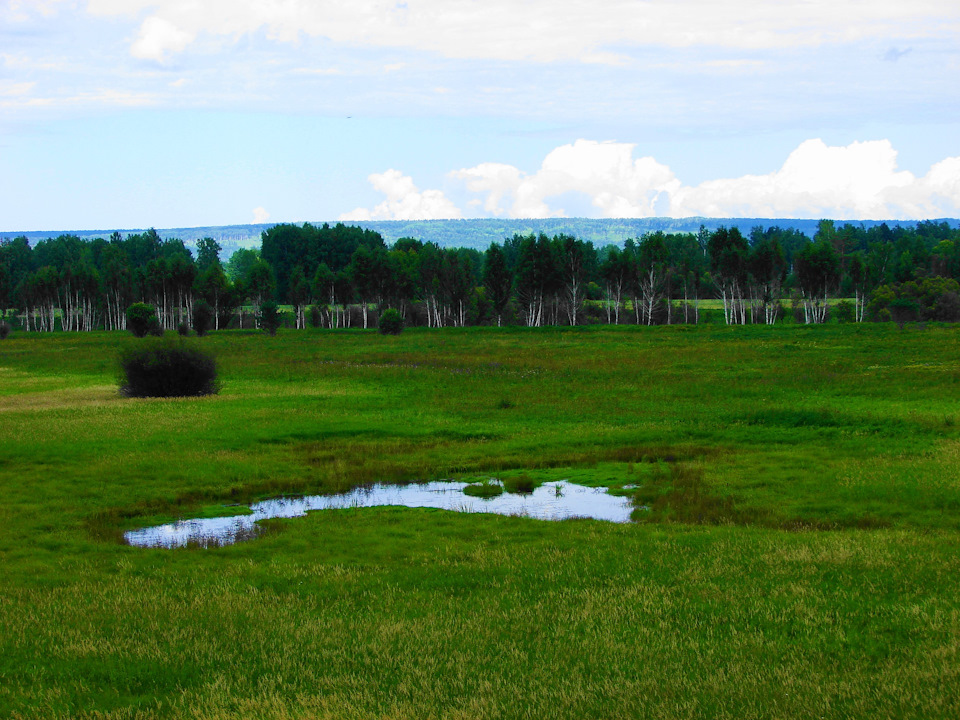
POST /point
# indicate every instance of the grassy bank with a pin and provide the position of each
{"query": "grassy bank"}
(798, 558)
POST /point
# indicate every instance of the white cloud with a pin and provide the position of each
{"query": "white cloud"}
(858, 181)
(103, 97)
(617, 185)
(11, 89)
(540, 30)
(404, 201)
(159, 36)
(317, 71)
(260, 215)
(23, 10)
(941, 188)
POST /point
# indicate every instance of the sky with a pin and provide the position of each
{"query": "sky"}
(179, 113)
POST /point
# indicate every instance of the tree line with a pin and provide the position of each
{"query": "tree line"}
(341, 276)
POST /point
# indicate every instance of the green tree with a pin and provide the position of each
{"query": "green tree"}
(390, 323)
(729, 252)
(576, 260)
(324, 289)
(299, 295)
(768, 268)
(269, 317)
(203, 317)
(497, 280)
(259, 284)
(858, 273)
(818, 272)
(616, 272)
(213, 286)
(240, 263)
(141, 319)
(208, 253)
(651, 266)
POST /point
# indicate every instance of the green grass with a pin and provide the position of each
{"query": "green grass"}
(795, 556)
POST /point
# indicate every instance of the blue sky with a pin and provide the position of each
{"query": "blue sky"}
(173, 113)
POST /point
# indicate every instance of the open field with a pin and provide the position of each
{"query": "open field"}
(799, 558)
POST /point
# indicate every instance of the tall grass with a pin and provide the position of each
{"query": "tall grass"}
(797, 557)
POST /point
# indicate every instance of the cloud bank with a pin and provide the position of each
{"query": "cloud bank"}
(539, 30)
(859, 181)
(404, 201)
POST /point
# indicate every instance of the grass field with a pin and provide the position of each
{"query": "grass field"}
(799, 558)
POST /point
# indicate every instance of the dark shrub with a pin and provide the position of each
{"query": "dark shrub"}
(314, 316)
(947, 308)
(904, 310)
(355, 316)
(417, 315)
(844, 311)
(167, 369)
(202, 317)
(4, 329)
(142, 319)
(183, 330)
(391, 322)
(796, 307)
(269, 317)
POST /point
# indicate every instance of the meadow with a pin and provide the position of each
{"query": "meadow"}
(797, 557)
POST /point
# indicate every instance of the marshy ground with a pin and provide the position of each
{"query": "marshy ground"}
(798, 559)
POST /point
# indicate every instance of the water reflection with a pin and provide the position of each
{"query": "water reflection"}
(553, 501)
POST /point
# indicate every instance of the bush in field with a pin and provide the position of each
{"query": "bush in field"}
(932, 298)
(947, 307)
(183, 330)
(270, 319)
(167, 368)
(4, 329)
(844, 311)
(142, 319)
(904, 310)
(391, 322)
(202, 317)
(314, 316)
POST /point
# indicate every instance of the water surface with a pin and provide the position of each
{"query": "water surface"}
(553, 501)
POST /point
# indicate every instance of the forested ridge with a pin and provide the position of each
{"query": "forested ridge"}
(341, 276)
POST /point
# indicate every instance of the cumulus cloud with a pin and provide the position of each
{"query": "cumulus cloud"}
(617, 185)
(941, 188)
(540, 30)
(158, 37)
(404, 201)
(260, 215)
(857, 181)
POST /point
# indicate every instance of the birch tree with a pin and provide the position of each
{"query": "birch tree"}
(651, 273)
(728, 252)
(818, 273)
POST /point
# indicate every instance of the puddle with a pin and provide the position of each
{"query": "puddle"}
(553, 501)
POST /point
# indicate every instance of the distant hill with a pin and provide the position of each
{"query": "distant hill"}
(479, 233)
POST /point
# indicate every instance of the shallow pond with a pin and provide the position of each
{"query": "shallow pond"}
(553, 501)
